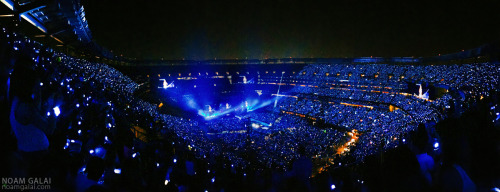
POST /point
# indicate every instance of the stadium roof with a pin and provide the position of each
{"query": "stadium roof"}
(62, 20)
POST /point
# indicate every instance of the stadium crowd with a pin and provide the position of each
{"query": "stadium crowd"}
(78, 122)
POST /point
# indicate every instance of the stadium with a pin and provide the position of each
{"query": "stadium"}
(80, 117)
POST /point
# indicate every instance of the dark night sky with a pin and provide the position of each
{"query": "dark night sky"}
(152, 29)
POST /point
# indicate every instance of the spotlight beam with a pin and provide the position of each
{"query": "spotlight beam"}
(278, 93)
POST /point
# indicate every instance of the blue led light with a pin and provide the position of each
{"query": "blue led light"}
(57, 111)
(436, 145)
